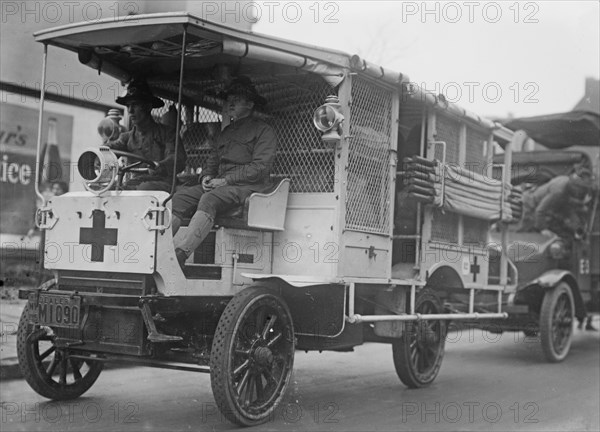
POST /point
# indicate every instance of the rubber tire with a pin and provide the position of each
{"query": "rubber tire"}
(401, 349)
(35, 373)
(224, 344)
(552, 353)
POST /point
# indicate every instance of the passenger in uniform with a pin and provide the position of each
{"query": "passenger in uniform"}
(239, 164)
(148, 139)
(558, 205)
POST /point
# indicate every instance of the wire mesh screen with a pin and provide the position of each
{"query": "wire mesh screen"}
(448, 130)
(475, 231)
(367, 205)
(301, 154)
(475, 156)
(198, 127)
(444, 227)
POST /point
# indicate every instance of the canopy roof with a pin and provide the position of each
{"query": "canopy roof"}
(540, 166)
(150, 46)
(556, 131)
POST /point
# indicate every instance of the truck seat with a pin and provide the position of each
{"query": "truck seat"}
(261, 210)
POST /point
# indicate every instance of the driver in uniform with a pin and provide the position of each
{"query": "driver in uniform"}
(148, 139)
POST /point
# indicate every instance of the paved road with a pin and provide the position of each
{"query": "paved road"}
(487, 382)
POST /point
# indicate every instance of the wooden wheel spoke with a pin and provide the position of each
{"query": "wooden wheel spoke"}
(243, 383)
(419, 361)
(260, 389)
(53, 364)
(414, 343)
(274, 340)
(414, 355)
(270, 378)
(249, 391)
(63, 372)
(76, 366)
(431, 350)
(268, 326)
(46, 353)
(260, 320)
(241, 368)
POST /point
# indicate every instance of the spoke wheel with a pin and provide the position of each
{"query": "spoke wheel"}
(556, 322)
(252, 356)
(418, 353)
(49, 370)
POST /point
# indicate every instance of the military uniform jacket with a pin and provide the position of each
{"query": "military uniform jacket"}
(243, 153)
(156, 143)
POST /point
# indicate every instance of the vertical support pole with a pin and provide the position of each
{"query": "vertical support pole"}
(471, 300)
(38, 165)
(462, 158)
(351, 292)
(419, 239)
(413, 294)
(341, 164)
(499, 301)
(178, 124)
(393, 169)
(516, 141)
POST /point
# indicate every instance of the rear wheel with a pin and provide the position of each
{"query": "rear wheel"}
(556, 322)
(419, 352)
(252, 356)
(48, 369)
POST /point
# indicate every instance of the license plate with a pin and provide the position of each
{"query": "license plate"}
(59, 310)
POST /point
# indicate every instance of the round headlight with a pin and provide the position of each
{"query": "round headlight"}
(558, 250)
(97, 165)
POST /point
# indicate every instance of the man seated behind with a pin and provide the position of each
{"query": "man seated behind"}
(239, 164)
(558, 205)
(148, 139)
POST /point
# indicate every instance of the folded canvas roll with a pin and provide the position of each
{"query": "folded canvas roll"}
(420, 190)
(422, 198)
(461, 191)
(416, 174)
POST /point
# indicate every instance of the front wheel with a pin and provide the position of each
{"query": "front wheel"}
(556, 322)
(419, 352)
(48, 369)
(252, 356)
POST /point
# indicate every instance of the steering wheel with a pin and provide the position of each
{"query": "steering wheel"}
(139, 161)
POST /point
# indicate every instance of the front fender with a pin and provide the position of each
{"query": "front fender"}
(547, 281)
(551, 278)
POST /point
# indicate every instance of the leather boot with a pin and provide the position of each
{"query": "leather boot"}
(181, 257)
(187, 241)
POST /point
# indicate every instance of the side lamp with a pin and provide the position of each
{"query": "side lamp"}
(328, 119)
(110, 127)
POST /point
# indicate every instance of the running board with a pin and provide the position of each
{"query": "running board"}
(357, 318)
(147, 362)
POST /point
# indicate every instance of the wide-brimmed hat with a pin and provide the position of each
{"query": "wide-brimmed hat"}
(243, 86)
(140, 92)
